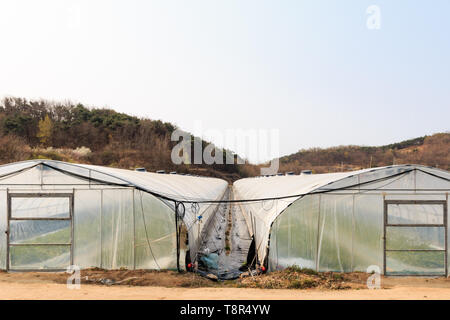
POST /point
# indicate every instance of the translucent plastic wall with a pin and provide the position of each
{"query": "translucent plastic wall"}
(345, 232)
(155, 237)
(123, 228)
(396, 225)
(329, 232)
(3, 227)
(112, 228)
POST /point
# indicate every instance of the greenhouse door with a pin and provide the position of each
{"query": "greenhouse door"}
(415, 238)
(40, 231)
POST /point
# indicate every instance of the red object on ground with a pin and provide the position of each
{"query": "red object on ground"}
(263, 268)
(190, 265)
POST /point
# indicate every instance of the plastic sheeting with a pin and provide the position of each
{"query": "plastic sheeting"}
(339, 224)
(117, 222)
(123, 228)
(3, 227)
(155, 233)
(328, 233)
(346, 234)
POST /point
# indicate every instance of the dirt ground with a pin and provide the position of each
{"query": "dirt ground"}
(171, 285)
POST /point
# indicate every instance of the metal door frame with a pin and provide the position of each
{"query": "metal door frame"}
(10, 218)
(444, 224)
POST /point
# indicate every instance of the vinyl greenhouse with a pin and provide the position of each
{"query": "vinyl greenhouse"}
(55, 214)
(391, 219)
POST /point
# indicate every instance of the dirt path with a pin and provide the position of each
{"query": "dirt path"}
(52, 286)
(60, 291)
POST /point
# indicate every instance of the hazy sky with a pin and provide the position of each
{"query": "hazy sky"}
(311, 69)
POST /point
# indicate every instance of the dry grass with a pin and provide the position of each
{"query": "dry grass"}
(296, 278)
(165, 278)
(290, 278)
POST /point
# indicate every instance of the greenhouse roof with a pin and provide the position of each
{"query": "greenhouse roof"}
(298, 185)
(167, 186)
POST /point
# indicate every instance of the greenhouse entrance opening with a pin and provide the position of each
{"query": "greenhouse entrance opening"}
(415, 241)
(40, 232)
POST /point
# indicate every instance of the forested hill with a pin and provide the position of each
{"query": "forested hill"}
(31, 129)
(431, 150)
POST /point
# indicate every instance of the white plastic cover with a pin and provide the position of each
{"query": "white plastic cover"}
(119, 218)
(332, 221)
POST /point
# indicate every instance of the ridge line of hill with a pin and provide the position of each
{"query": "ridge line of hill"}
(37, 129)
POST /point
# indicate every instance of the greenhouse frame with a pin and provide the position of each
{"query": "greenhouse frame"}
(391, 220)
(55, 214)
